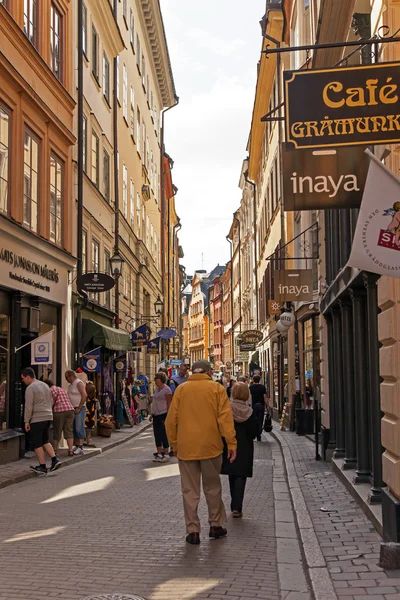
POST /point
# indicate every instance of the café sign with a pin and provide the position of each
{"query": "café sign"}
(342, 107)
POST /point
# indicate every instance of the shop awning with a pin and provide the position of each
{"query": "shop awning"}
(108, 337)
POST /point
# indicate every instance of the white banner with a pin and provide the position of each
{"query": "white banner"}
(42, 349)
(377, 237)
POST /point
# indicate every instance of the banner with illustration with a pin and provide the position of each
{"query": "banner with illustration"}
(139, 336)
(91, 361)
(377, 236)
(153, 346)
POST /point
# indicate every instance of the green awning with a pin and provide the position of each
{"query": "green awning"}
(108, 337)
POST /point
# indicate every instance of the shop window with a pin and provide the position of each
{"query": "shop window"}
(106, 175)
(4, 331)
(56, 199)
(4, 162)
(106, 78)
(30, 20)
(56, 41)
(31, 173)
(95, 158)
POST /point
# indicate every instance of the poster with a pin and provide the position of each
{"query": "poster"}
(42, 349)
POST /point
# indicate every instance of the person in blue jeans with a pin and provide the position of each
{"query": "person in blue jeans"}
(259, 401)
(77, 395)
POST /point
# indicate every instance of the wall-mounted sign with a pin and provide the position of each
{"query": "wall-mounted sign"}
(91, 361)
(95, 282)
(249, 340)
(140, 335)
(377, 237)
(42, 349)
(342, 107)
(274, 307)
(153, 346)
(293, 285)
(321, 179)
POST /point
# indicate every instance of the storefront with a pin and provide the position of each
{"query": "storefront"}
(34, 299)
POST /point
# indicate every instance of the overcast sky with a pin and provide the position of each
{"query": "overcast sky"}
(214, 47)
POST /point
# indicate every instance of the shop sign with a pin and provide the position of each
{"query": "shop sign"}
(377, 237)
(120, 364)
(293, 285)
(228, 363)
(140, 335)
(174, 362)
(167, 334)
(153, 346)
(274, 307)
(287, 319)
(95, 282)
(249, 340)
(18, 261)
(91, 361)
(321, 179)
(242, 357)
(42, 349)
(342, 107)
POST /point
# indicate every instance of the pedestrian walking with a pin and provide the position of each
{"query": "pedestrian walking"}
(77, 395)
(168, 380)
(246, 427)
(199, 416)
(38, 416)
(63, 416)
(182, 375)
(160, 404)
(259, 401)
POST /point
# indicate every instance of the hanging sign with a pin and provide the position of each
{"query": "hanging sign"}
(42, 349)
(167, 334)
(274, 307)
(343, 106)
(287, 319)
(249, 340)
(321, 179)
(95, 282)
(293, 285)
(140, 335)
(91, 361)
(120, 364)
(377, 237)
(153, 346)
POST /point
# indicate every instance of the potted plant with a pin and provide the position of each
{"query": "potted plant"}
(105, 425)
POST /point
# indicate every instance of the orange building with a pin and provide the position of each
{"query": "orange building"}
(36, 207)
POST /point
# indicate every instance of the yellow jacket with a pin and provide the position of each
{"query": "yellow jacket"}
(199, 415)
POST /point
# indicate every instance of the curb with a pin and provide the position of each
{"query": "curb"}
(70, 461)
(321, 583)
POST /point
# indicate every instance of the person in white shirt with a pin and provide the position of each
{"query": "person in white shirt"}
(77, 395)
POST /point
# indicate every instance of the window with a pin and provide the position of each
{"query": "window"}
(132, 203)
(143, 71)
(95, 158)
(31, 172)
(144, 145)
(84, 144)
(56, 24)
(84, 29)
(132, 114)
(95, 264)
(147, 90)
(138, 52)
(95, 53)
(138, 129)
(107, 295)
(117, 67)
(106, 175)
(106, 78)
(56, 199)
(84, 251)
(138, 205)
(125, 92)
(132, 30)
(125, 191)
(30, 20)
(125, 12)
(132, 288)
(306, 4)
(4, 163)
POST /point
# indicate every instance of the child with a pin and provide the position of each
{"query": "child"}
(90, 420)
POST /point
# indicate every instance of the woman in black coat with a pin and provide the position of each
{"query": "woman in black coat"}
(246, 427)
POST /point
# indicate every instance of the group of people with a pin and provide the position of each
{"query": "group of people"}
(211, 435)
(71, 412)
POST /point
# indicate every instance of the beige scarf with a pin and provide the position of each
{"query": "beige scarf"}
(241, 410)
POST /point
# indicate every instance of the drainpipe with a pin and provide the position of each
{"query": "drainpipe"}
(233, 332)
(116, 182)
(80, 178)
(252, 183)
(162, 201)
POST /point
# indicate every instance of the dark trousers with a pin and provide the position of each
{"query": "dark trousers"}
(160, 435)
(259, 410)
(237, 486)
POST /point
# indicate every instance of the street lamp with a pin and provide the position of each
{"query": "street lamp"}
(158, 306)
(116, 263)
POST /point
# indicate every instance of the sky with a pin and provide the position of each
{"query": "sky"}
(214, 47)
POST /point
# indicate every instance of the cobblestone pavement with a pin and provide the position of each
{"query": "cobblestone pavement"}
(348, 541)
(114, 524)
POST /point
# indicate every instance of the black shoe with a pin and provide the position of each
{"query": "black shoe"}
(55, 464)
(217, 532)
(259, 438)
(193, 538)
(172, 454)
(39, 470)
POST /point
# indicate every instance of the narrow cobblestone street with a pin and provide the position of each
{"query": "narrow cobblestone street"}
(114, 524)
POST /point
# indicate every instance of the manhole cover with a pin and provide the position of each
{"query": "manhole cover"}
(114, 597)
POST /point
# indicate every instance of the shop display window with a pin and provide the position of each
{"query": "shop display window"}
(4, 357)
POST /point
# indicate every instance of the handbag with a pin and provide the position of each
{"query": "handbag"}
(268, 423)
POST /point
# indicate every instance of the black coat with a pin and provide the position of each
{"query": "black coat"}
(243, 465)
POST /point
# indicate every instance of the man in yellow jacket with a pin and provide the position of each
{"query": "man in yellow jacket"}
(199, 416)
